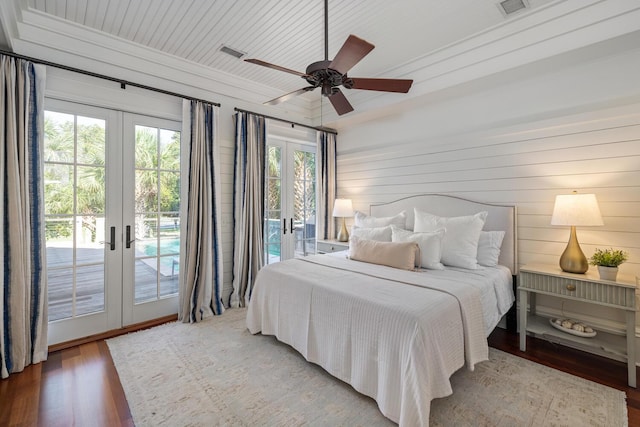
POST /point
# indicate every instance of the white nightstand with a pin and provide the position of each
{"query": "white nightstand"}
(552, 281)
(328, 246)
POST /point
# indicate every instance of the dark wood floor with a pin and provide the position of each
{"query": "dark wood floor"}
(79, 386)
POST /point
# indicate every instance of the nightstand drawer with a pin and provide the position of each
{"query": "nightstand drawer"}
(327, 246)
(589, 291)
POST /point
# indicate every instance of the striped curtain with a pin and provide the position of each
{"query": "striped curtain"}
(248, 205)
(23, 299)
(326, 161)
(201, 279)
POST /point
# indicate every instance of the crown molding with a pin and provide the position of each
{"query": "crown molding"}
(9, 17)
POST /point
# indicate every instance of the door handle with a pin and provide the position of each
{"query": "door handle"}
(291, 225)
(284, 225)
(112, 243)
(128, 239)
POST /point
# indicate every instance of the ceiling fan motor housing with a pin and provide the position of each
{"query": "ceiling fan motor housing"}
(320, 75)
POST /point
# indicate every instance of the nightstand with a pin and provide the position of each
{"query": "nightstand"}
(328, 246)
(553, 282)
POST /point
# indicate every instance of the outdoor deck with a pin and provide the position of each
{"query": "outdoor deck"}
(90, 279)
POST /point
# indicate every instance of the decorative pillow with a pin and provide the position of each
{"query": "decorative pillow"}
(380, 234)
(364, 220)
(460, 241)
(430, 246)
(489, 246)
(397, 255)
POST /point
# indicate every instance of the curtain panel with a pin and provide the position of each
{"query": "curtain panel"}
(326, 170)
(248, 205)
(201, 278)
(23, 300)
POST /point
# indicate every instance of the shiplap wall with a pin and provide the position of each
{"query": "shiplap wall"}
(525, 166)
(519, 143)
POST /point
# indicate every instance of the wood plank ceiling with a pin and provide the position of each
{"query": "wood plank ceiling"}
(287, 33)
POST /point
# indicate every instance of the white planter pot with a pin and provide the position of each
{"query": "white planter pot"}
(608, 273)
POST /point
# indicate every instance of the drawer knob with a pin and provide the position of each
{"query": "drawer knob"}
(571, 287)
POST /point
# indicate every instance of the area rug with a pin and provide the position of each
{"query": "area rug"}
(215, 373)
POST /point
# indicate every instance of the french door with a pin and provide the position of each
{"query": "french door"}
(290, 224)
(112, 223)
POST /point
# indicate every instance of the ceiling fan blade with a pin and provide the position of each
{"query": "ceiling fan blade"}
(289, 95)
(383, 85)
(340, 102)
(275, 67)
(351, 52)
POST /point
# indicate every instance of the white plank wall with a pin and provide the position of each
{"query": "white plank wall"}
(527, 166)
(226, 204)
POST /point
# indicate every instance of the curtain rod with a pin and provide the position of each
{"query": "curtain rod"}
(320, 128)
(123, 83)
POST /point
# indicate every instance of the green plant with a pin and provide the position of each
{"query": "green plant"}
(608, 257)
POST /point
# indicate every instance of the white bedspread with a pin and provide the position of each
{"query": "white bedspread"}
(394, 335)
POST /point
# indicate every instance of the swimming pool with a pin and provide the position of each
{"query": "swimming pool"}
(169, 259)
(167, 247)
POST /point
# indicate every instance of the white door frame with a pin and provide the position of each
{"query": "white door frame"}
(93, 323)
(119, 275)
(131, 312)
(288, 148)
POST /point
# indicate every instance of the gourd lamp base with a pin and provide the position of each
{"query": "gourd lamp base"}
(572, 259)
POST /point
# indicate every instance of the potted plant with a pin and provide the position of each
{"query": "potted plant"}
(608, 261)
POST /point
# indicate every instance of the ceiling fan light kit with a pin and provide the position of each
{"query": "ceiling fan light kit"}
(329, 75)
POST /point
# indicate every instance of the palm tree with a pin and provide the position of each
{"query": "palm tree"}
(157, 182)
(274, 159)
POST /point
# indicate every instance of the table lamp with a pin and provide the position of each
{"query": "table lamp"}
(575, 210)
(343, 208)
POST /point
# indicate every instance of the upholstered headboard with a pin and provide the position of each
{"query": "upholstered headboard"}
(500, 217)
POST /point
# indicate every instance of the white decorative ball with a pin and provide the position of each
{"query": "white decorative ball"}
(578, 327)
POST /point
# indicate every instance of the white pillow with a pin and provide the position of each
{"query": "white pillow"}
(430, 245)
(364, 220)
(379, 234)
(489, 246)
(460, 241)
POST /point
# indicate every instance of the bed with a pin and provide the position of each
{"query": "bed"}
(394, 335)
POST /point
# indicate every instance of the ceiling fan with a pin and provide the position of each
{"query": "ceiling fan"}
(330, 74)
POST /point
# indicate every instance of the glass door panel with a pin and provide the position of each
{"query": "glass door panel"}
(273, 223)
(290, 201)
(76, 190)
(152, 210)
(304, 202)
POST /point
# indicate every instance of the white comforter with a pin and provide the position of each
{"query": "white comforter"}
(394, 335)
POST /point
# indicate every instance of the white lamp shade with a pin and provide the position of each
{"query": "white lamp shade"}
(342, 208)
(576, 210)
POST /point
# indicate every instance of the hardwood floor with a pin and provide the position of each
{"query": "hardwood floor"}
(79, 385)
(76, 386)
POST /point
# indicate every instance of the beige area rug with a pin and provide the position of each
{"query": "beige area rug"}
(217, 373)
